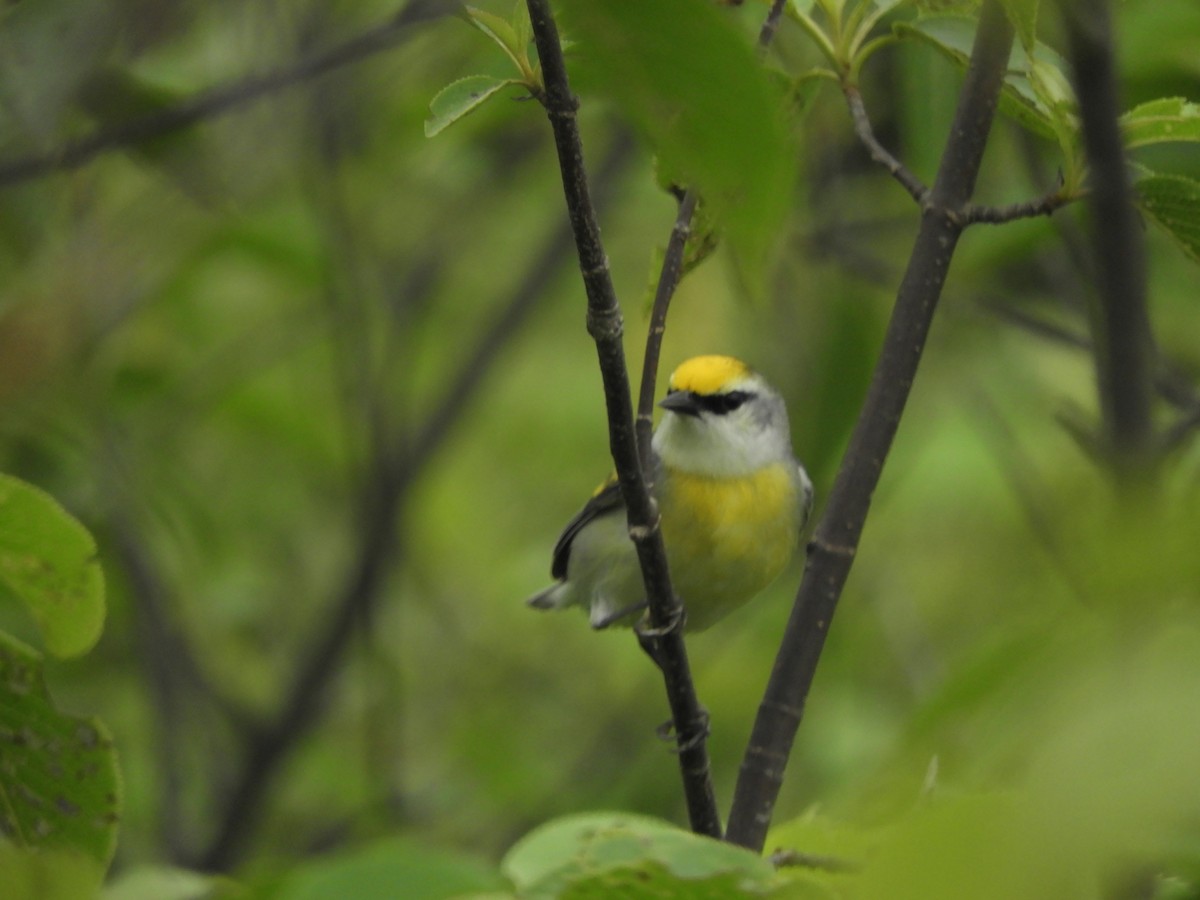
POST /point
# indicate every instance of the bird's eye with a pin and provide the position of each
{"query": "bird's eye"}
(720, 404)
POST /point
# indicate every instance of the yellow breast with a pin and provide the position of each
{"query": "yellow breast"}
(728, 538)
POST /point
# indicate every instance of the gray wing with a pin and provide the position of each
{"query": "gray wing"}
(605, 501)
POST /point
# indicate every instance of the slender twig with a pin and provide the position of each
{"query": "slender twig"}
(79, 152)
(1045, 205)
(668, 280)
(866, 134)
(1120, 321)
(605, 326)
(968, 213)
(770, 24)
(835, 541)
(383, 494)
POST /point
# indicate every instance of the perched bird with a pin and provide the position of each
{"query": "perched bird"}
(732, 497)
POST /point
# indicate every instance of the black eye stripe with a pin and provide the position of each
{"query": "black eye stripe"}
(720, 404)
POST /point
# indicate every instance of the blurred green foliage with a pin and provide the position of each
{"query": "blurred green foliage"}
(217, 352)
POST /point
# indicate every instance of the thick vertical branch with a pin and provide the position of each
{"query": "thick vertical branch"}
(1120, 322)
(605, 326)
(837, 535)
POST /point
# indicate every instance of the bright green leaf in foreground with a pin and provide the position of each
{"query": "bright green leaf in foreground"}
(461, 97)
(1173, 202)
(59, 789)
(623, 855)
(1161, 121)
(48, 875)
(165, 883)
(393, 868)
(501, 31)
(693, 85)
(48, 560)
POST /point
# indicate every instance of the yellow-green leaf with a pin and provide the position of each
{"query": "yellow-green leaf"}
(461, 97)
(48, 561)
(1161, 121)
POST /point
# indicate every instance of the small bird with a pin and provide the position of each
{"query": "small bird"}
(732, 497)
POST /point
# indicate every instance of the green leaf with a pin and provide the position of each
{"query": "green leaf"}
(693, 85)
(158, 882)
(1173, 202)
(1023, 15)
(623, 855)
(1036, 91)
(522, 29)
(1161, 121)
(48, 560)
(48, 874)
(502, 33)
(461, 97)
(59, 788)
(391, 868)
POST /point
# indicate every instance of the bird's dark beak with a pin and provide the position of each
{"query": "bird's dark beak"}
(682, 402)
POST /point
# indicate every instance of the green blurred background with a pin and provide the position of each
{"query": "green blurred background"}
(223, 349)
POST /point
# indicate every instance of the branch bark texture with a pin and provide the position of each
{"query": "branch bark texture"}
(605, 325)
(837, 535)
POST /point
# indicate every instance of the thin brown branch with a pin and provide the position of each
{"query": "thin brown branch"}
(1045, 205)
(866, 134)
(668, 280)
(968, 213)
(835, 541)
(79, 152)
(605, 326)
(770, 24)
(1120, 321)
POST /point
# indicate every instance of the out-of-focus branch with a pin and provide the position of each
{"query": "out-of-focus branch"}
(218, 101)
(1170, 384)
(835, 541)
(383, 494)
(605, 326)
(1120, 321)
